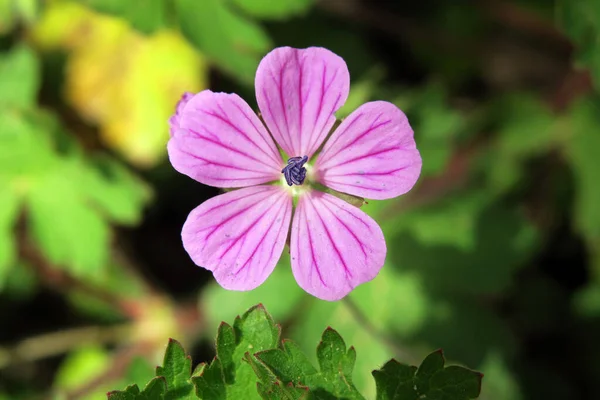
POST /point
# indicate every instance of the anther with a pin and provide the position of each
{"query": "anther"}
(294, 172)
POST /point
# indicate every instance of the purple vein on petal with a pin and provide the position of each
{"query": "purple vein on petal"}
(383, 173)
(267, 231)
(221, 164)
(312, 247)
(363, 156)
(350, 231)
(265, 140)
(239, 130)
(329, 201)
(347, 145)
(244, 233)
(232, 149)
(335, 248)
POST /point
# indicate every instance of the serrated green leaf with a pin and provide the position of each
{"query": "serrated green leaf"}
(278, 391)
(234, 43)
(396, 381)
(332, 380)
(227, 377)
(177, 371)
(273, 9)
(155, 389)
(19, 78)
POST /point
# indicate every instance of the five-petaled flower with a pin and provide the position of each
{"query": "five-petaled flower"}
(219, 141)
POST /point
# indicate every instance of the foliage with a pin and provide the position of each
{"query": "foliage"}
(252, 363)
(494, 256)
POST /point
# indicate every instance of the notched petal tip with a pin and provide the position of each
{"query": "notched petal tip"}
(334, 246)
(239, 235)
(371, 154)
(298, 91)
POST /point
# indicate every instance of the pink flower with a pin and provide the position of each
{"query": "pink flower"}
(240, 235)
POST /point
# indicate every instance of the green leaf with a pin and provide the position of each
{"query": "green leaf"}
(234, 43)
(155, 389)
(227, 377)
(9, 212)
(581, 21)
(70, 233)
(19, 78)
(146, 16)
(396, 381)
(582, 153)
(177, 371)
(273, 9)
(336, 363)
(115, 190)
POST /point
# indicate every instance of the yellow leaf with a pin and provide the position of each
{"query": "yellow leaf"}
(125, 82)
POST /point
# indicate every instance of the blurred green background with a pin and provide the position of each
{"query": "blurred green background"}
(494, 256)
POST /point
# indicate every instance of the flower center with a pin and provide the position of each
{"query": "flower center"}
(294, 172)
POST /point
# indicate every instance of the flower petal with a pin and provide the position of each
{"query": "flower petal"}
(174, 120)
(221, 142)
(334, 246)
(371, 154)
(239, 235)
(298, 91)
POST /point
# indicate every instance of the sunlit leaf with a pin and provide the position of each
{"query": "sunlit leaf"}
(69, 232)
(227, 377)
(109, 59)
(19, 78)
(273, 9)
(233, 42)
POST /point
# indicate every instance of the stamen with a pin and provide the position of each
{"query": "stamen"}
(294, 172)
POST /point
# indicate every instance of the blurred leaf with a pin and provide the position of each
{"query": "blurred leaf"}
(396, 381)
(584, 160)
(81, 367)
(146, 16)
(360, 92)
(498, 241)
(19, 78)
(69, 232)
(176, 371)
(581, 21)
(118, 193)
(280, 294)
(436, 125)
(234, 43)
(336, 364)
(15, 11)
(500, 380)
(21, 283)
(115, 63)
(273, 9)
(227, 377)
(391, 294)
(9, 212)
